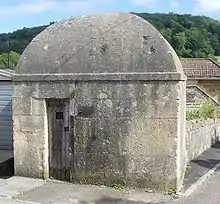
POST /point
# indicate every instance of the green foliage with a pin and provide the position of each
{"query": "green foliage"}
(118, 186)
(217, 58)
(192, 114)
(19, 39)
(190, 36)
(216, 112)
(171, 192)
(13, 60)
(205, 111)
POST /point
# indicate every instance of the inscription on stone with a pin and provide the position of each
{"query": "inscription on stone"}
(85, 111)
(149, 45)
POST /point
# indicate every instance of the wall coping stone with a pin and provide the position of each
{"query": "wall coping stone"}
(152, 76)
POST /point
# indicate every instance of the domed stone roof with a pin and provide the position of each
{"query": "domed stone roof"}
(104, 43)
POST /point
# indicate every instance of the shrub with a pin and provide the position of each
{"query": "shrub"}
(192, 114)
(205, 111)
(216, 112)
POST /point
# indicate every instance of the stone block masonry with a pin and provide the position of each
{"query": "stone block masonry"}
(200, 136)
(96, 102)
(119, 138)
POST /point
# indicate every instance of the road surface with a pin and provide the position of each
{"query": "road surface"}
(207, 193)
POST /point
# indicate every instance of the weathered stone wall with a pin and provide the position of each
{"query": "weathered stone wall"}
(200, 136)
(128, 93)
(129, 131)
(211, 87)
(30, 131)
(195, 96)
(181, 143)
(191, 82)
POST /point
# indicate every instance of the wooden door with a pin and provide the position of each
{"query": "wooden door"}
(60, 152)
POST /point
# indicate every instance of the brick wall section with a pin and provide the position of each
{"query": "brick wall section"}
(200, 136)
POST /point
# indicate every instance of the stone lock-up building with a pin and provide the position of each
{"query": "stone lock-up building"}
(100, 99)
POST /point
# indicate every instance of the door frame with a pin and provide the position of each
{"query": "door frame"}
(67, 124)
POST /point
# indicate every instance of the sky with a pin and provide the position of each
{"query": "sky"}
(16, 14)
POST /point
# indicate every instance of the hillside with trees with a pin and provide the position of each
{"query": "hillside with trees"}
(9, 60)
(15, 43)
(190, 36)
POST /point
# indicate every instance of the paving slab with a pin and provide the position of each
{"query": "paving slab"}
(28, 190)
(15, 201)
(208, 193)
(201, 166)
(15, 186)
(66, 193)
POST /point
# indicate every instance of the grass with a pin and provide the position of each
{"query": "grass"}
(218, 58)
(171, 192)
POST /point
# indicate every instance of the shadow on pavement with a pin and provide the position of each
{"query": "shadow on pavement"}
(201, 165)
(209, 158)
(7, 169)
(121, 201)
(216, 145)
(209, 163)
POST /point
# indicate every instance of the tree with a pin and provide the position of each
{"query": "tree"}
(19, 39)
(167, 33)
(199, 43)
(13, 60)
(190, 36)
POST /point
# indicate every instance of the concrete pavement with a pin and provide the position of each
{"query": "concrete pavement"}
(58, 193)
(18, 190)
(14, 201)
(24, 190)
(208, 193)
